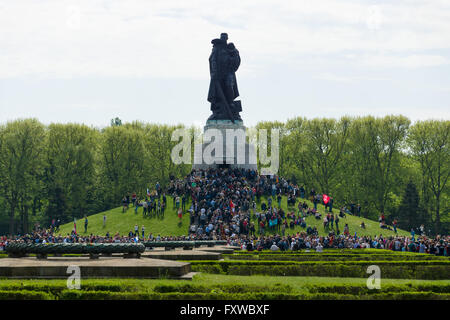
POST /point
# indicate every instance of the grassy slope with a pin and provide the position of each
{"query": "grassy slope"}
(124, 223)
(117, 221)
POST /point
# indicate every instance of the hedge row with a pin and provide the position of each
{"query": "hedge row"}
(390, 271)
(334, 288)
(337, 257)
(56, 289)
(384, 288)
(336, 263)
(241, 292)
(337, 254)
(327, 251)
(24, 295)
(105, 295)
(226, 288)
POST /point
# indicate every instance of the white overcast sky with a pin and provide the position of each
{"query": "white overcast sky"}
(91, 60)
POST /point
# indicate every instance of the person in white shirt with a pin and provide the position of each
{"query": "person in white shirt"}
(319, 248)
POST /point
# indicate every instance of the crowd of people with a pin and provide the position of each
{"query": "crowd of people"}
(299, 241)
(224, 201)
(437, 246)
(222, 205)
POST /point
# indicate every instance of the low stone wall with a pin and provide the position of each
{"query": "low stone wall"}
(103, 268)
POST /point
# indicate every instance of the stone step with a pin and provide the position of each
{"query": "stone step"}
(218, 249)
(188, 276)
(180, 254)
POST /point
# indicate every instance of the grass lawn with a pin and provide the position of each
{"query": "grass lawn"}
(125, 222)
(299, 282)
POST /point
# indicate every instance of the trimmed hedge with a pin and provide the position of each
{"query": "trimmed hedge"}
(192, 291)
(430, 270)
(105, 295)
(56, 289)
(328, 251)
(227, 288)
(24, 295)
(362, 289)
(334, 257)
(275, 263)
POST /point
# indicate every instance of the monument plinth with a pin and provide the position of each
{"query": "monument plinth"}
(225, 143)
(227, 146)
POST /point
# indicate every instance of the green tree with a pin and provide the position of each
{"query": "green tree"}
(429, 145)
(325, 141)
(122, 157)
(409, 213)
(158, 145)
(374, 155)
(70, 173)
(21, 167)
(269, 126)
(294, 149)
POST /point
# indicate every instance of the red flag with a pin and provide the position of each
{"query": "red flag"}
(232, 206)
(325, 199)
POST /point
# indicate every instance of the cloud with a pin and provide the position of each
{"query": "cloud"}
(165, 39)
(408, 62)
(328, 76)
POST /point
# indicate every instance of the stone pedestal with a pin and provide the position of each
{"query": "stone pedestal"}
(225, 146)
(131, 255)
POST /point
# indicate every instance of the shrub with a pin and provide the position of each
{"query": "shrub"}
(24, 295)
(431, 270)
(105, 295)
(333, 257)
(226, 288)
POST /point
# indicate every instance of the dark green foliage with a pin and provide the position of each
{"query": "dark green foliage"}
(431, 270)
(410, 214)
(105, 295)
(133, 289)
(24, 295)
(335, 257)
(236, 288)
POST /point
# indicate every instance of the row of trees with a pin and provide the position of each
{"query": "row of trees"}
(65, 171)
(376, 162)
(62, 171)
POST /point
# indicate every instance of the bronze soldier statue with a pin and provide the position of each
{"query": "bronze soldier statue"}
(223, 63)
